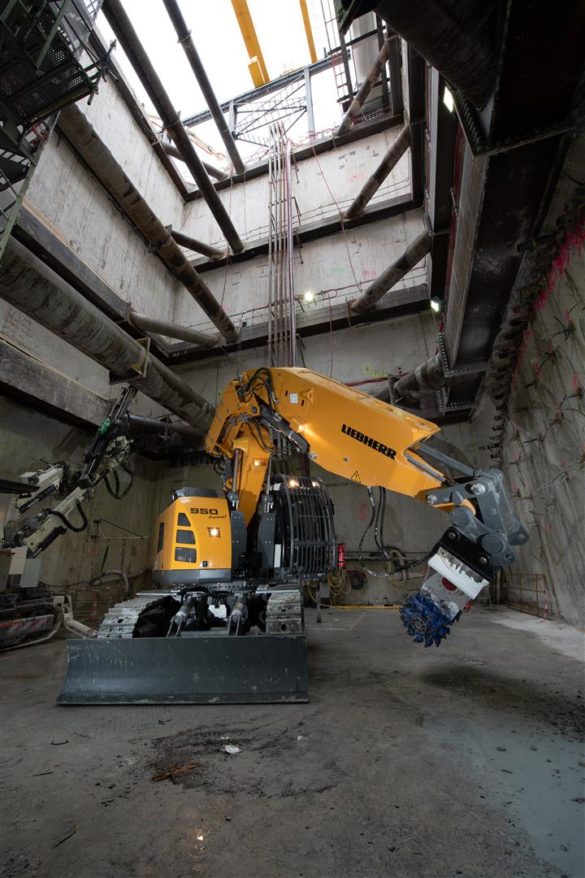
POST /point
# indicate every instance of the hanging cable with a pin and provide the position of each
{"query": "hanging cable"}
(378, 537)
(72, 527)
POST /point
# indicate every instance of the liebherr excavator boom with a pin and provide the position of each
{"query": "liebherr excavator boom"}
(233, 565)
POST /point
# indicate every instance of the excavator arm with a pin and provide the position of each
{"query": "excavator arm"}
(374, 444)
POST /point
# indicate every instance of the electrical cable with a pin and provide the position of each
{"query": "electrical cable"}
(379, 543)
(67, 523)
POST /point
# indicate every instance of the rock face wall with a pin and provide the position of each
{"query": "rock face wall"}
(544, 444)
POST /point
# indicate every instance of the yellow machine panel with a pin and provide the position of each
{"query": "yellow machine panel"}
(348, 433)
(193, 541)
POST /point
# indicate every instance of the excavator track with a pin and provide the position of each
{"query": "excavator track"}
(120, 620)
(284, 612)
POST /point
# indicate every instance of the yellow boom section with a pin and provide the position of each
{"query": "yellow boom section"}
(256, 64)
(348, 433)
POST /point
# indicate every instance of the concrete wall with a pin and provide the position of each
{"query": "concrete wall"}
(543, 452)
(336, 268)
(322, 186)
(352, 354)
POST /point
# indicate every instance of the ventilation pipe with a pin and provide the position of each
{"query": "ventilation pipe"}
(185, 39)
(138, 57)
(356, 105)
(197, 246)
(185, 333)
(453, 37)
(411, 257)
(32, 287)
(391, 158)
(96, 154)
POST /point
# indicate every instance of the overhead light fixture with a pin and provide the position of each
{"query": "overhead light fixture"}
(308, 297)
(448, 99)
(436, 304)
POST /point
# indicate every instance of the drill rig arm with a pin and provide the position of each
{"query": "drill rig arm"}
(371, 443)
(107, 453)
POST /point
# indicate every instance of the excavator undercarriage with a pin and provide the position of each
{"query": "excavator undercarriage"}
(230, 634)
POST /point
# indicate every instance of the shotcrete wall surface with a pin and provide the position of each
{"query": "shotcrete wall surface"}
(543, 451)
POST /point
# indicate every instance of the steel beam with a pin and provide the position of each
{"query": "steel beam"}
(320, 229)
(138, 57)
(398, 303)
(186, 41)
(29, 285)
(260, 92)
(74, 124)
(256, 63)
(308, 30)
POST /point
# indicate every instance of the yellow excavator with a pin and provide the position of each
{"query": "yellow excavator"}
(226, 622)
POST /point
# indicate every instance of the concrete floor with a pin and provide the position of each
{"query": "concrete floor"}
(461, 761)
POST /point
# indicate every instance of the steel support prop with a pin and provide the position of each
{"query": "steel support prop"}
(411, 257)
(426, 378)
(153, 425)
(197, 246)
(75, 126)
(185, 333)
(174, 153)
(141, 63)
(394, 153)
(356, 105)
(186, 41)
(32, 287)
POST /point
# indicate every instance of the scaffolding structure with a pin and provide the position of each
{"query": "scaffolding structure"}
(45, 65)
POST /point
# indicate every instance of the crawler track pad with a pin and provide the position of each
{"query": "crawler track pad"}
(206, 669)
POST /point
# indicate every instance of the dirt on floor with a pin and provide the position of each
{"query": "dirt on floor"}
(460, 761)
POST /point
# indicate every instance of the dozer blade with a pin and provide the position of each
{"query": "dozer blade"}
(205, 669)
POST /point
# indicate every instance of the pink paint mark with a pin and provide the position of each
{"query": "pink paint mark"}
(573, 242)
